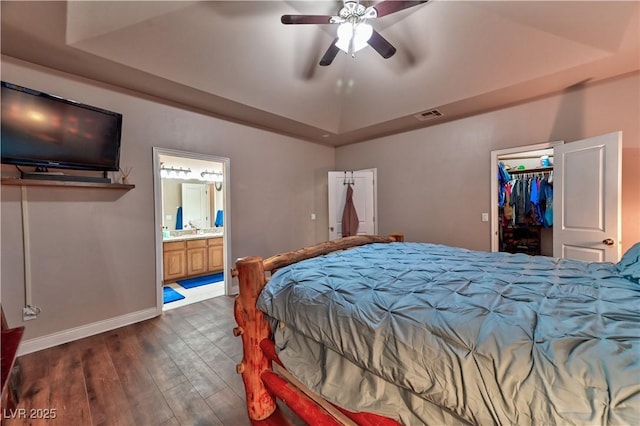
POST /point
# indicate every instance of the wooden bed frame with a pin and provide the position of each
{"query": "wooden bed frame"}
(263, 384)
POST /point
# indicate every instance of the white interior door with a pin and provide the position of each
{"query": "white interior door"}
(195, 205)
(587, 209)
(364, 200)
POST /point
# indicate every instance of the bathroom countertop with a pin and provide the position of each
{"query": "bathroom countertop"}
(192, 237)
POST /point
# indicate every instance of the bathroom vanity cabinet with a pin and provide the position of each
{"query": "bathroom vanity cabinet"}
(214, 252)
(192, 257)
(174, 259)
(196, 257)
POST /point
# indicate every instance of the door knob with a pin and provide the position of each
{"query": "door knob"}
(331, 228)
(608, 242)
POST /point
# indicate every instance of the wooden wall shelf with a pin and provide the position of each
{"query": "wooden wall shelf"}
(65, 183)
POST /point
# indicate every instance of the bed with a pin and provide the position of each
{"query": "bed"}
(374, 330)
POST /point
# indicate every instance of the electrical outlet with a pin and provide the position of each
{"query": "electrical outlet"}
(30, 313)
(485, 217)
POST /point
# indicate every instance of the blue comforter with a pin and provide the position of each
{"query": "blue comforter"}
(491, 338)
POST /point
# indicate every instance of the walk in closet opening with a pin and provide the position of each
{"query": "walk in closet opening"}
(522, 199)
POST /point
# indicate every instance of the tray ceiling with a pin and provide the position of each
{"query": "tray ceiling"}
(234, 59)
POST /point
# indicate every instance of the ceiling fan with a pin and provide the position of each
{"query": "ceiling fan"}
(354, 32)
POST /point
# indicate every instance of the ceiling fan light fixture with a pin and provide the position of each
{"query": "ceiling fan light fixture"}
(345, 32)
(353, 37)
(354, 33)
(361, 36)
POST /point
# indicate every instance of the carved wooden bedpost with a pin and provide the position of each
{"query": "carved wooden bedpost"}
(397, 237)
(253, 328)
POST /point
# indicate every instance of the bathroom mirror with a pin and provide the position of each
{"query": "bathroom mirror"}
(185, 201)
(196, 206)
(192, 193)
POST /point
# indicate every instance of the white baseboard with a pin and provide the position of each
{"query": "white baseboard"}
(55, 339)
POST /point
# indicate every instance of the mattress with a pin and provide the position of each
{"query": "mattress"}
(466, 336)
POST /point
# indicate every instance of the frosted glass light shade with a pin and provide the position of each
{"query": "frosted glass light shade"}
(354, 36)
(345, 32)
(361, 37)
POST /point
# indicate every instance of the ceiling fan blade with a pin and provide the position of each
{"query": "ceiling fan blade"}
(381, 45)
(330, 54)
(387, 7)
(306, 19)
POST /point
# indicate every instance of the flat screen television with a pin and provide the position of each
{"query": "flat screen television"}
(47, 131)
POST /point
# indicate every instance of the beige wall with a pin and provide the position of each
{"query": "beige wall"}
(93, 251)
(433, 183)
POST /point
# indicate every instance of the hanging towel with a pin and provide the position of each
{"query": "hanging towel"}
(219, 218)
(179, 218)
(350, 219)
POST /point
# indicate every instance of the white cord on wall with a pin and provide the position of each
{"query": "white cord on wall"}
(27, 249)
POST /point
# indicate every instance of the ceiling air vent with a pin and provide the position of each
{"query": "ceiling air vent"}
(428, 115)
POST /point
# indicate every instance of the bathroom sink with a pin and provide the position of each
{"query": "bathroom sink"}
(192, 235)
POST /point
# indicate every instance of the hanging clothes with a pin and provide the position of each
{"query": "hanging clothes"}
(350, 219)
(525, 206)
(520, 199)
(530, 201)
(507, 207)
(503, 181)
(546, 201)
(535, 213)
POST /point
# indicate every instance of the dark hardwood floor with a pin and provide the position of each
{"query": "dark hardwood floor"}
(177, 369)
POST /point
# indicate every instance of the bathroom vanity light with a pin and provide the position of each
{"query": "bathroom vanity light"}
(211, 176)
(214, 177)
(174, 173)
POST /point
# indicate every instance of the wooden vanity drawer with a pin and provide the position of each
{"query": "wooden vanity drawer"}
(214, 241)
(175, 245)
(196, 243)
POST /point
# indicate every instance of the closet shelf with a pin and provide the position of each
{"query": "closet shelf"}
(66, 183)
(536, 170)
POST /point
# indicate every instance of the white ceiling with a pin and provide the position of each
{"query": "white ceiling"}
(234, 59)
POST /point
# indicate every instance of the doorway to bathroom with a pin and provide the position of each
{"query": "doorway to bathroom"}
(191, 193)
